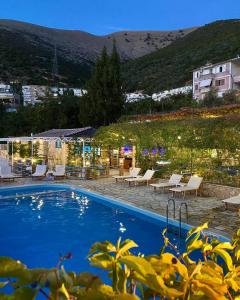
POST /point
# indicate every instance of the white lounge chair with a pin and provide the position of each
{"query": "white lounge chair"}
(6, 173)
(40, 171)
(59, 171)
(192, 185)
(143, 179)
(232, 200)
(174, 180)
(133, 174)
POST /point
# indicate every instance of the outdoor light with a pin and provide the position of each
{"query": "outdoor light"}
(179, 137)
(17, 141)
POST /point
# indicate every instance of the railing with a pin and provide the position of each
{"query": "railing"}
(171, 200)
(180, 216)
(182, 204)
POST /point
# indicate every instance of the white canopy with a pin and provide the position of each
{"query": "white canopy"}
(205, 83)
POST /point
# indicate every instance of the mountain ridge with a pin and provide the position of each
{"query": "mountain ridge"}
(172, 66)
(77, 50)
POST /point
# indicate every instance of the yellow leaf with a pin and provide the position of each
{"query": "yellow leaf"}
(101, 260)
(195, 245)
(126, 245)
(225, 245)
(225, 256)
(171, 260)
(197, 230)
(238, 254)
(64, 291)
(168, 291)
(207, 247)
(233, 284)
(208, 291)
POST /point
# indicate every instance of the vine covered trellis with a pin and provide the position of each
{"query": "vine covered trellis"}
(209, 147)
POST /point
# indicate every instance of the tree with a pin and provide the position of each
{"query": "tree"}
(103, 104)
(116, 99)
(211, 99)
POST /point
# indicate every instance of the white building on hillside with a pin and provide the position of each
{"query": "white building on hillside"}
(133, 97)
(6, 96)
(77, 92)
(32, 94)
(177, 91)
(221, 77)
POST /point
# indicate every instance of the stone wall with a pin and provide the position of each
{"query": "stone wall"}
(219, 191)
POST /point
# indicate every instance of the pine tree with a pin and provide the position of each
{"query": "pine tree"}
(116, 97)
(104, 100)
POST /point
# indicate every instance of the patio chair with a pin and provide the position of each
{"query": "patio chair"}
(232, 200)
(192, 185)
(133, 174)
(6, 173)
(40, 171)
(174, 180)
(143, 179)
(59, 171)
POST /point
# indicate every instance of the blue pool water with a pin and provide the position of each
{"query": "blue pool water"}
(39, 222)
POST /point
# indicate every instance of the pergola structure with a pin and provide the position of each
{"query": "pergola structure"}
(57, 137)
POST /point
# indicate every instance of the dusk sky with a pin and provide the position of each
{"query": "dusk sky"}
(106, 16)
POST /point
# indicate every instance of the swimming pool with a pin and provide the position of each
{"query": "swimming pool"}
(42, 221)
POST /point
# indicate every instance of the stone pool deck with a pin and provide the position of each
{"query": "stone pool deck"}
(201, 209)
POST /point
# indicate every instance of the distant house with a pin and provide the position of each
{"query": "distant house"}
(6, 95)
(221, 77)
(136, 96)
(33, 94)
(168, 93)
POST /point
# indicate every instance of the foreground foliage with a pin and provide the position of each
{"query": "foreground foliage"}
(165, 275)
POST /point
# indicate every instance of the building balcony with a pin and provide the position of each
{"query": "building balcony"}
(236, 79)
(211, 76)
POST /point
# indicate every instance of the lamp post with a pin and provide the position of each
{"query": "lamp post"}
(107, 165)
(83, 153)
(12, 155)
(121, 169)
(32, 154)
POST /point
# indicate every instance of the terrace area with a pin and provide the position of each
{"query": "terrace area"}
(200, 209)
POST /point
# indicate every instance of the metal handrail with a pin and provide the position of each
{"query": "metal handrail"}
(167, 209)
(180, 216)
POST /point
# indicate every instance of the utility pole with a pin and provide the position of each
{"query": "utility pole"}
(55, 67)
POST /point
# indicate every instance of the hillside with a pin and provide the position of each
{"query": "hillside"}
(172, 66)
(26, 50)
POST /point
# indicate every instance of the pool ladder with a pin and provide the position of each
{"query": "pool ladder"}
(182, 204)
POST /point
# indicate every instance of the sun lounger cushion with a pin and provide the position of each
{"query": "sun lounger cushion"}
(232, 200)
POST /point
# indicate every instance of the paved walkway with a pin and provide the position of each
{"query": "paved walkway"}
(201, 209)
